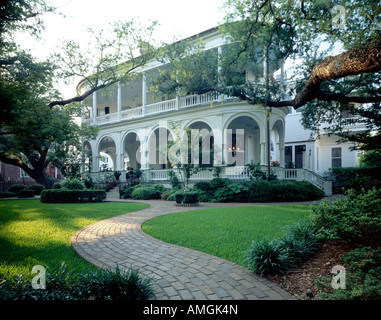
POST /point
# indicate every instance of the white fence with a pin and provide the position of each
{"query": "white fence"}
(242, 173)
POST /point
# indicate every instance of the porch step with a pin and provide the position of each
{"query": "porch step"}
(113, 194)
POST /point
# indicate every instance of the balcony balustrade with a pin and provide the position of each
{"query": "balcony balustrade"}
(160, 107)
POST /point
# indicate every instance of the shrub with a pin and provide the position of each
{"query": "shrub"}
(351, 217)
(57, 185)
(64, 285)
(234, 192)
(217, 172)
(88, 183)
(126, 192)
(186, 197)
(72, 196)
(268, 257)
(26, 194)
(17, 188)
(36, 188)
(73, 184)
(118, 285)
(8, 194)
(204, 186)
(174, 181)
(165, 195)
(255, 171)
(204, 196)
(279, 255)
(301, 241)
(159, 187)
(172, 196)
(217, 183)
(357, 178)
(260, 191)
(363, 277)
(284, 191)
(145, 193)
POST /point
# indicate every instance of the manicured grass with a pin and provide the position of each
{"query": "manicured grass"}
(34, 233)
(225, 232)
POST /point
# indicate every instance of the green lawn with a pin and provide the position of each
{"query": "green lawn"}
(225, 232)
(34, 233)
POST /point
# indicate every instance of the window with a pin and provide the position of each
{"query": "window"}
(336, 157)
(23, 174)
(288, 156)
(52, 169)
(299, 156)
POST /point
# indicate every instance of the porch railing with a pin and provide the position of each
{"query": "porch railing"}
(238, 173)
(161, 107)
(241, 173)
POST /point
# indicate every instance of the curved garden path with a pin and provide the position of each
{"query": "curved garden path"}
(178, 273)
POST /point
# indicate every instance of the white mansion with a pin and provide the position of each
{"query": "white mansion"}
(135, 125)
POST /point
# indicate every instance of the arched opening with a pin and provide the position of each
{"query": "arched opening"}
(132, 154)
(158, 149)
(107, 154)
(201, 144)
(242, 141)
(276, 144)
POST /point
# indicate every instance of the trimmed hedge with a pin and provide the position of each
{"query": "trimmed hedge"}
(26, 194)
(186, 197)
(72, 196)
(16, 188)
(7, 194)
(36, 188)
(357, 178)
(283, 191)
(145, 193)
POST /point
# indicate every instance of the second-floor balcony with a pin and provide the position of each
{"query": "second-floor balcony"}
(156, 108)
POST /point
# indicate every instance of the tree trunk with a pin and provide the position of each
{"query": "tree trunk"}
(38, 170)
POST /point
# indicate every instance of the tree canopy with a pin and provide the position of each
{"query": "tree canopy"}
(37, 125)
(334, 47)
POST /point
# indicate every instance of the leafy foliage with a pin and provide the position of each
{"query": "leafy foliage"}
(349, 218)
(363, 277)
(279, 255)
(62, 284)
(72, 184)
(72, 196)
(358, 178)
(186, 197)
(256, 191)
(145, 193)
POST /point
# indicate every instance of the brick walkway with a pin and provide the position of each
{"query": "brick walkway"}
(178, 273)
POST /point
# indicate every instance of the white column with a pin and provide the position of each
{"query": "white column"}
(263, 153)
(95, 164)
(119, 100)
(144, 94)
(95, 107)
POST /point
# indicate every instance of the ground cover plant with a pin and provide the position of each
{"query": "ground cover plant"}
(226, 232)
(34, 233)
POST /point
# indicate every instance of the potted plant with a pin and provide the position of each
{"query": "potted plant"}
(117, 175)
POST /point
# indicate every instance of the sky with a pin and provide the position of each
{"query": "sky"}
(178, 19)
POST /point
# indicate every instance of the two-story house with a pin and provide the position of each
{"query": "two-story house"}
(136, 126)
